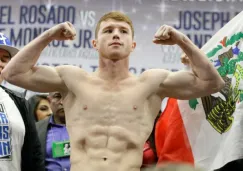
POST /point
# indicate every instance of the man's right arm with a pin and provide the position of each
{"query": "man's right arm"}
(21, 69)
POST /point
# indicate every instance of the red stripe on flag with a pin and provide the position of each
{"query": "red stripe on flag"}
(171, 139)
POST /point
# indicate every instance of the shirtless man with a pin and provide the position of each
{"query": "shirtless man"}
(110, 113)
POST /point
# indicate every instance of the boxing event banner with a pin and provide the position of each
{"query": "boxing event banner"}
(208, 131)
(23, 20)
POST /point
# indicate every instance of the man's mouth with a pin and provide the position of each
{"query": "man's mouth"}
(115, 43)
(60, 110)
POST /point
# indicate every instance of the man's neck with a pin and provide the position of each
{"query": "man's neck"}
(112, 70)
(58, 120)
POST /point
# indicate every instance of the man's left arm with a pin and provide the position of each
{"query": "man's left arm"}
(199, 62)
(204, 71)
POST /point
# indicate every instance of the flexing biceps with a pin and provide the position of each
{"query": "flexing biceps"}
(181, 85)
(39, 78)
(185, 85)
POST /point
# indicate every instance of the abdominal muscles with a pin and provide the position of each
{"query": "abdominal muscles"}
(107, 148)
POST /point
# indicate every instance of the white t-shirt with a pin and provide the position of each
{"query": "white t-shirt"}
(12, 132)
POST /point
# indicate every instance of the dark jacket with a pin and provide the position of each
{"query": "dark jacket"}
(31, 155)
(42, 127)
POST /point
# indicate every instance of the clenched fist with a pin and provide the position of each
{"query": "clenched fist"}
(167, 35)
(62, 31)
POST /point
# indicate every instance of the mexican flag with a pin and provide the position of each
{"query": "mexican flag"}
(209, 131)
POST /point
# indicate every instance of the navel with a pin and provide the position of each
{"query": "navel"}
(135, 107)
(85, 107)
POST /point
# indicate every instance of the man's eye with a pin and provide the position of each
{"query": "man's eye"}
(4, 60)
(108, 31)
(124, 31)
(57, 96)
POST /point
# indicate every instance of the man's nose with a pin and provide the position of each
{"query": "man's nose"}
(116, 34)
(61, 101)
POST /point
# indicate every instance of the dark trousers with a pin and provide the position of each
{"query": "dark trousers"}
(236, 165)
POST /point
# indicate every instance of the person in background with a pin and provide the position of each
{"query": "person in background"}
(40, 106)
(20, 146)
(53, 134)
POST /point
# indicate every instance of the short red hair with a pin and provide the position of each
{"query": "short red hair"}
(115, 15)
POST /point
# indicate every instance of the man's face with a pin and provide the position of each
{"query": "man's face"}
(4, 58)
(55, 99)
(114, 40)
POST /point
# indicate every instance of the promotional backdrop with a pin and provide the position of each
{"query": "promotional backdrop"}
(23, 20)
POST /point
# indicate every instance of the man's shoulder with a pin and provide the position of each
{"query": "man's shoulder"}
(15, 93)
(68, 68)
(19, 100)
(70, 71)
(153, 74)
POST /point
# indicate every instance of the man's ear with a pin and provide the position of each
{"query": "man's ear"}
(133, 45)
(94, 43)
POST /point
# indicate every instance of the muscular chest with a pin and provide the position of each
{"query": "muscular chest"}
(112, 108)
(110, 102)
(117, 98)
